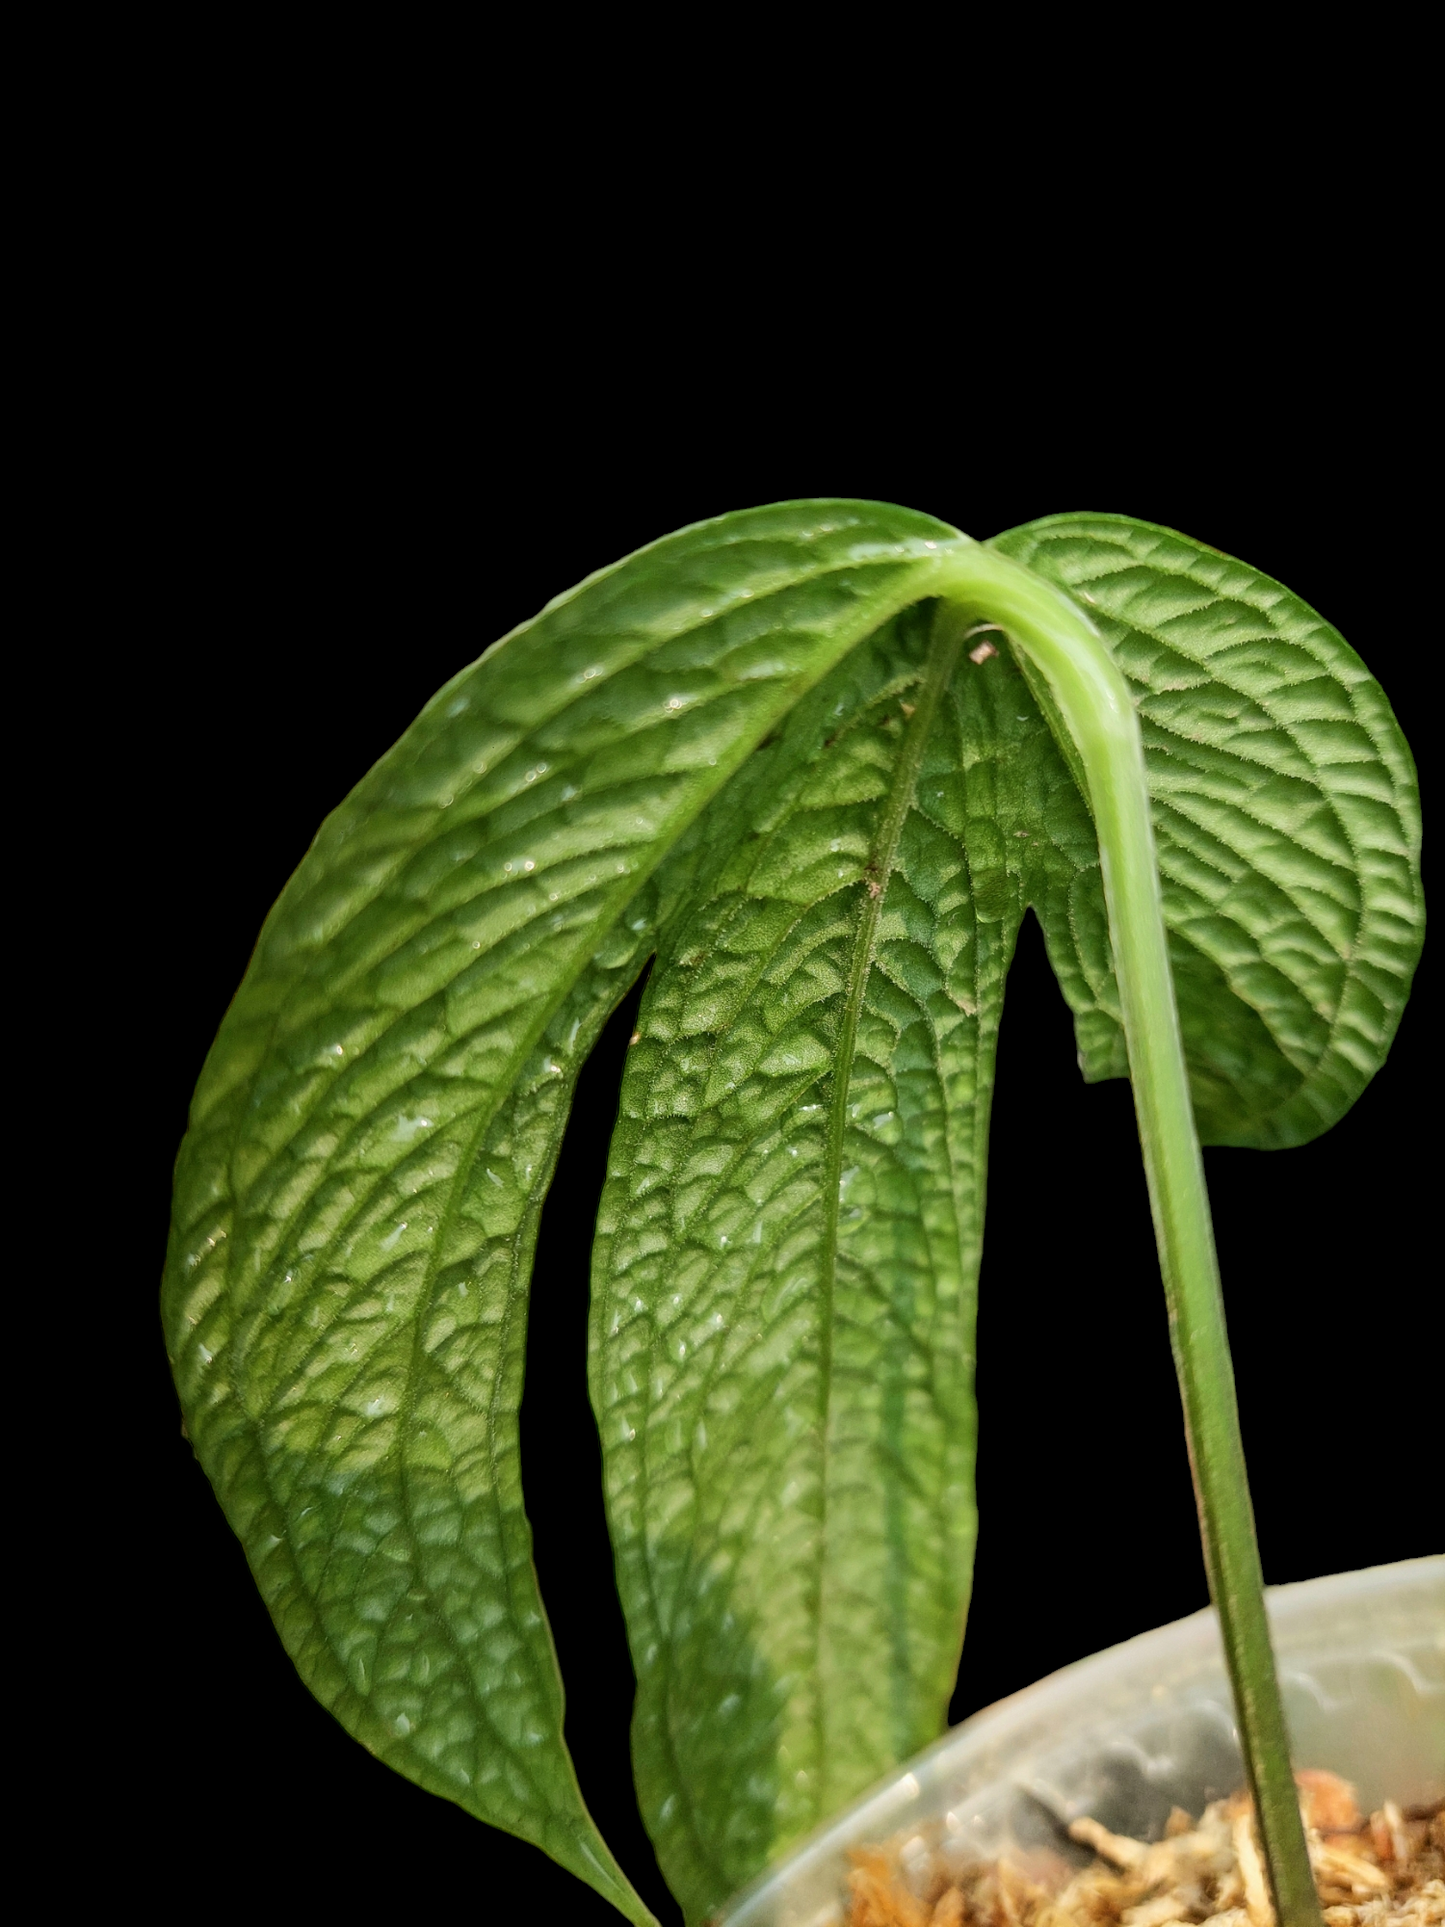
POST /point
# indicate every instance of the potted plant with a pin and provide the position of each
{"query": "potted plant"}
(815, 760)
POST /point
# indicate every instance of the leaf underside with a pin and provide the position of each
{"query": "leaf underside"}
(743, 750)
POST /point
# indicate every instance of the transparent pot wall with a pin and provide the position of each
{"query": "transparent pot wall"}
(1130, 1733)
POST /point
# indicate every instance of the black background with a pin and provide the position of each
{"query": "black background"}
(329, 518)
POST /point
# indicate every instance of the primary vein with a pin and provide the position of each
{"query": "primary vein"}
(942, 656)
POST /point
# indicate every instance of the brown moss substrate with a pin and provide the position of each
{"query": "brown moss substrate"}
(1384, 1871)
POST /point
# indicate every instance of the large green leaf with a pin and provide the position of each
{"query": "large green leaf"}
(357, 1197)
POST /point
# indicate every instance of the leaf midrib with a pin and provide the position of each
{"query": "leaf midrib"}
(942, 656)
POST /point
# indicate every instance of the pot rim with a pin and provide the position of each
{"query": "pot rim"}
(1080, 1694)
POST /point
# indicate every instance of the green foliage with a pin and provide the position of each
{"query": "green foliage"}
(1286, 816)
(789, 1243)
(751, 750)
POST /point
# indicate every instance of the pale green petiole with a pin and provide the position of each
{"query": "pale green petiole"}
(1091, 700)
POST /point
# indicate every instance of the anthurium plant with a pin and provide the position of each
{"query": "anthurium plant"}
(813, 762)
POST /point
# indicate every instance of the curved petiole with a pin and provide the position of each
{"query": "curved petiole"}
(1092, 700)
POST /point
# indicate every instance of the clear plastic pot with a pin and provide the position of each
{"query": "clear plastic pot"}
(1148, 1725)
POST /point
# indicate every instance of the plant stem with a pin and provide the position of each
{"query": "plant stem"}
(1095, 707)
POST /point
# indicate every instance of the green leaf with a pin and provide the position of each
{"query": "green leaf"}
(357, 1197)
(788, 1247)
(1287, 819)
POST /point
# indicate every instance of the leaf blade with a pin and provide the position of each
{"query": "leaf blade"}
(795, 1571)
(374, 1129)
(1286, 814)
